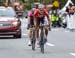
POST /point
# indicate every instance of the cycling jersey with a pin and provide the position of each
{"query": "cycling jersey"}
(40, 13)
(31, 18)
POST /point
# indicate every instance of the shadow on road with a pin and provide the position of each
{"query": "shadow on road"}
(9, 38)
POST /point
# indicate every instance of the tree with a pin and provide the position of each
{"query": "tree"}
(30, 2)
(73, 1)
(2, 2)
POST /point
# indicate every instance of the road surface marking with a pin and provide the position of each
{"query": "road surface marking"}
(49, 44)
(25, 34)
(54, 29)
(73, 54)
(66, 31)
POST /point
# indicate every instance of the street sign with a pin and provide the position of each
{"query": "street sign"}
(56, 3)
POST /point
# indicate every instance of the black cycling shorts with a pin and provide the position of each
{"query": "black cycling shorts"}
(31, 21)
(40, 20)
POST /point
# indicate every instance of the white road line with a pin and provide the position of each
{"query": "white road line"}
(49, 44)
(73, 54)
(66, 31)
(54, 29)
(25, 34)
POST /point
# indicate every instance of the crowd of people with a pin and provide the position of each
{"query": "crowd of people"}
(69, 17)
(18, 9)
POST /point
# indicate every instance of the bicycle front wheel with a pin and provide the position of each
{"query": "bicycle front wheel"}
(42, 48)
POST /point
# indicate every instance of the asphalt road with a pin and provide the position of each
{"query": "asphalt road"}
(61, 44)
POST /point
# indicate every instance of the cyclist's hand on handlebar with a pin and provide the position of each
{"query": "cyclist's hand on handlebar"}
(49, 28)
(28, 26)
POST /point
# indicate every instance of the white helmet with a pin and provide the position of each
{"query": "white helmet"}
(41, 6)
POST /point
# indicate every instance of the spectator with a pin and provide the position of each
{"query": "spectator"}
(70, 17)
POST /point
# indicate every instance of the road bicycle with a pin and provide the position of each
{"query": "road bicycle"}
(42, 37)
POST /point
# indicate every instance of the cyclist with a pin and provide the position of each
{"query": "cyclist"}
(39, 15)
(30, 23)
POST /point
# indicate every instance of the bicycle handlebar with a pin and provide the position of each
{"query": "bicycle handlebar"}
(42, 25)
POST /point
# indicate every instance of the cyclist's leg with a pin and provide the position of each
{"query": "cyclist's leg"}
(46, 29)
(37, 29)
(37, 32)
(37, 36)
(30, 33)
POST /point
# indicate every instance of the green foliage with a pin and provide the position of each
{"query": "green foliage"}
(28, 4)
(2, 2)
(62, 3)
(73, 1)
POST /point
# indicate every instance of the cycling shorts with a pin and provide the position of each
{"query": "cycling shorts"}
(40, 20)
(31, 20)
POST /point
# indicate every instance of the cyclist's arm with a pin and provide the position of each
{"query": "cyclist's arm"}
(35, 16)
(47, 15)
(28, 18)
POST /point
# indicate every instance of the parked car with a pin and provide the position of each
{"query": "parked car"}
(10, 24)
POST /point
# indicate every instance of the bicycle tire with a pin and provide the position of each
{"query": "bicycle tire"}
(33, 41)
(42, 40)
(33, 45)
(42, 45)
(42, 48)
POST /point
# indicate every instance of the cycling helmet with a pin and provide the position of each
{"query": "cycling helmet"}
(41, 6)
(32, 10)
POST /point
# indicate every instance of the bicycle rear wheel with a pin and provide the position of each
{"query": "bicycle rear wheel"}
(33, 40)
(33, 44)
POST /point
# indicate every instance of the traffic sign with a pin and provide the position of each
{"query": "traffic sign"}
(56, 3)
